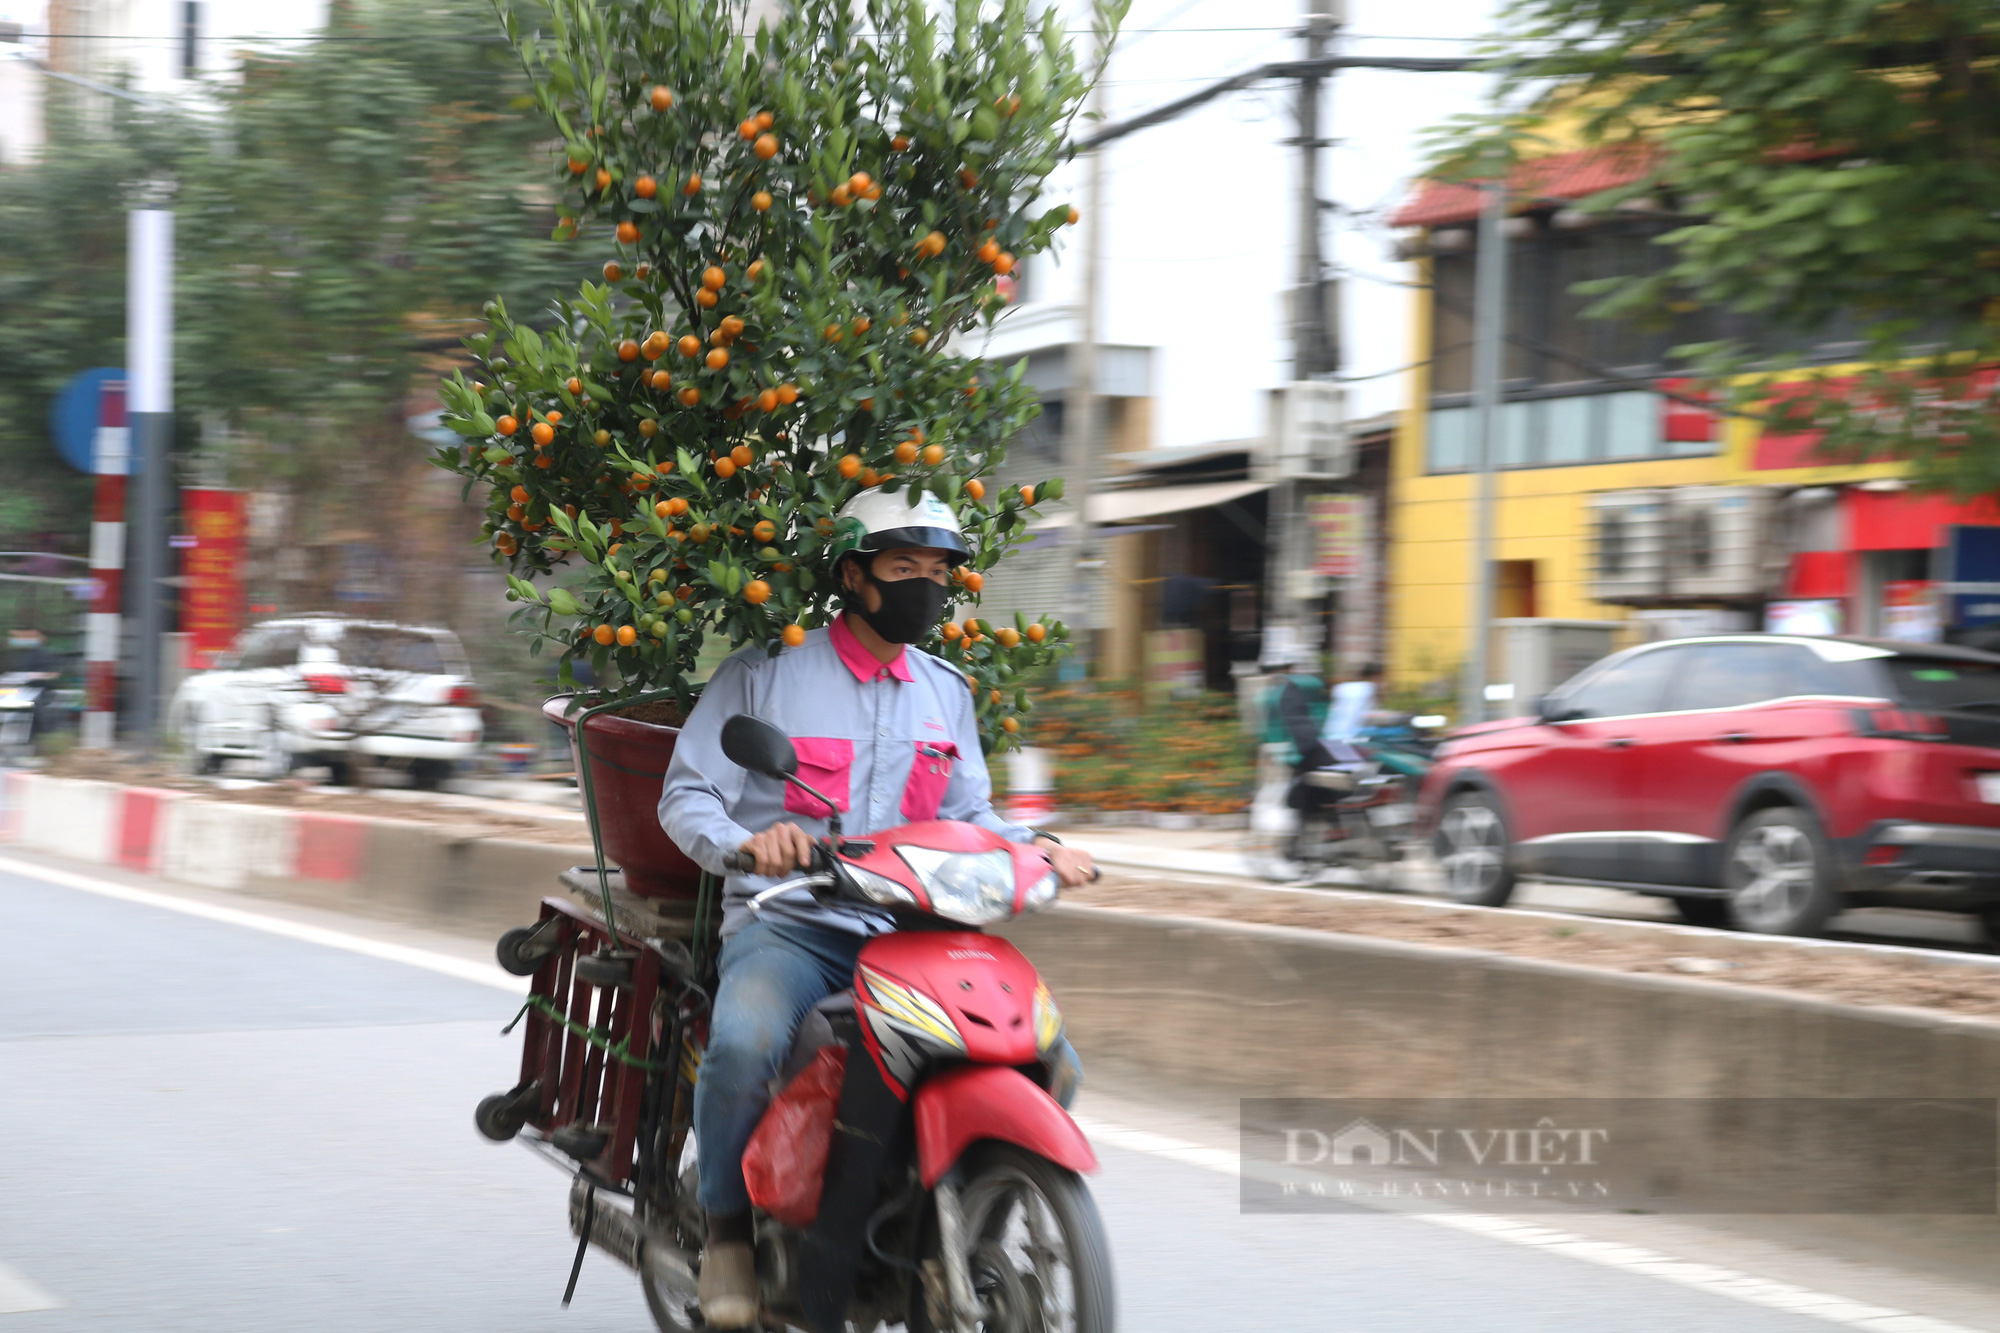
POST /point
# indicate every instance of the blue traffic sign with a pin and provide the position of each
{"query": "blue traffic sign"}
(1972, 576)
(73, 418)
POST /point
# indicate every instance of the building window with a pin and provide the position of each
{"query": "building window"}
(1632, 426)
(1520, 435)
(190, 38)
(1557, 432)
(1569, 426)
(1448, 438)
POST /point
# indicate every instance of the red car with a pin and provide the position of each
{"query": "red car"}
(1760, 781)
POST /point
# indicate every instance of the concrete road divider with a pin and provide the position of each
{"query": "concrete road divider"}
(1198, 1007)
(1216, 1010)
(439, 875)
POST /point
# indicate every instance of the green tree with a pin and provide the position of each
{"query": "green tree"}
(804, 218)
(1837, 164)
(341, 213)
(62, 310)
(360, 200)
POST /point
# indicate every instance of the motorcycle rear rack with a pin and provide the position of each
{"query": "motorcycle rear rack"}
(588, 1043)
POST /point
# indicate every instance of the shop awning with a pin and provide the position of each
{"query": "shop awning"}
(1129, 506)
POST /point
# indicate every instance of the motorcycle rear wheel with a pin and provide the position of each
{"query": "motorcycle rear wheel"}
(674, 1311)
(1268, 856)
(1039, 1257)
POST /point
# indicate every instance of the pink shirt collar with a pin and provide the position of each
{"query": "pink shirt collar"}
(862, 662)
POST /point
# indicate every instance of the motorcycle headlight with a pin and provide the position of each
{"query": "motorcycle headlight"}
(969, 887)
(1041, 893)
(879, 888)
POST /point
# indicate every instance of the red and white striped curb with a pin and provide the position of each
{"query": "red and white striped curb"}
(178, 835)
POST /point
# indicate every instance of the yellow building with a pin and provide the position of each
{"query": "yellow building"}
(1619, 497)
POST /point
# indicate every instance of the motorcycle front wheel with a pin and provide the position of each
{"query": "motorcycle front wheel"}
(1039, 1259)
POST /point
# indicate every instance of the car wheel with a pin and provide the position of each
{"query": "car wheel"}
(1779, 874)
(429, 774)
(1710, 912)
(341, 772)
(200, 762)
(1471, 849)
(1989, 917)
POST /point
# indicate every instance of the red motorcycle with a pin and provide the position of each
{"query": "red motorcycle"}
(913, 1168)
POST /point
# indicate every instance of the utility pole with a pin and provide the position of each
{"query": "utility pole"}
(1285, 553)
(1489, 326)
(149, 423)
(1080, 407)
(111, 454)
(149, 389)
(1313, 342)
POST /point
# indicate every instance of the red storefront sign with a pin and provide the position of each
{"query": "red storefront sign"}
(1901, 521)
(1778, 447)
(212, 598)
(1339, 526)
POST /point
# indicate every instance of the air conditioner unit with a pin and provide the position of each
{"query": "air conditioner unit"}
(1308, 434)
(1716, 541)
(1627, 540)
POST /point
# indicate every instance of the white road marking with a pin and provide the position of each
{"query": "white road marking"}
(1607, 1254)
(464, 969)
(19, 1296)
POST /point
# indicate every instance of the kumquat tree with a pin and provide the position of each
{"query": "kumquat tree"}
(800, 225)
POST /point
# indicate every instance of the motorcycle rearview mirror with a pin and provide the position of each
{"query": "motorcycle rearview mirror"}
(752, 743)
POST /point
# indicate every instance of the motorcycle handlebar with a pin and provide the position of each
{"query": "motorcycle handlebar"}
(743, 863)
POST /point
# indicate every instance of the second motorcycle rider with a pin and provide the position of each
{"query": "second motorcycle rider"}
(890, 736)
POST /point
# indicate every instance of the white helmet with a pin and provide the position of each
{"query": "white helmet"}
(877, 520)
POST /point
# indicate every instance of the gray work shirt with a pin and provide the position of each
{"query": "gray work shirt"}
(890, 744)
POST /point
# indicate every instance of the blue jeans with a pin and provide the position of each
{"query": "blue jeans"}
(773, 973)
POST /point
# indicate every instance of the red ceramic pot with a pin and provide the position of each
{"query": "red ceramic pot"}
(628, 766)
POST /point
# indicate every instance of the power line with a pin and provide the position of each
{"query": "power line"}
(1380, 374)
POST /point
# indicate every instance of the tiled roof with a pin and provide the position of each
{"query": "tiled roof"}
(1564, 176)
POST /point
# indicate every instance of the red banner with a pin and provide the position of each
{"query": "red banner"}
(1683, 421)
(212, 598)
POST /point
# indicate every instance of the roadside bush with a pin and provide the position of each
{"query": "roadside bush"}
(1110, 755)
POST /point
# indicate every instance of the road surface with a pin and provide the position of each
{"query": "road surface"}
(214, 1127)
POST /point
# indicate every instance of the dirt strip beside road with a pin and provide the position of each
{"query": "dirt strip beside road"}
(1853, 974)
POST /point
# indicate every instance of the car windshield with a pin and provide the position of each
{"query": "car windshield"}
(1942, 682)
(386, 649)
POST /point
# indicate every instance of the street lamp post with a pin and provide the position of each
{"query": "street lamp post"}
(1489, 325)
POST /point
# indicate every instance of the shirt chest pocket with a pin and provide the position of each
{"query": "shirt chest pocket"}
(930, 774)
(824, 763)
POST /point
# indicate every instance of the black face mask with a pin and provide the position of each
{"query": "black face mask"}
(911, 608)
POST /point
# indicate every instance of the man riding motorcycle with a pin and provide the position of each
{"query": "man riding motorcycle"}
(888, 735)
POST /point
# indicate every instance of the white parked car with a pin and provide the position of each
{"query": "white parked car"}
(326, 690)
